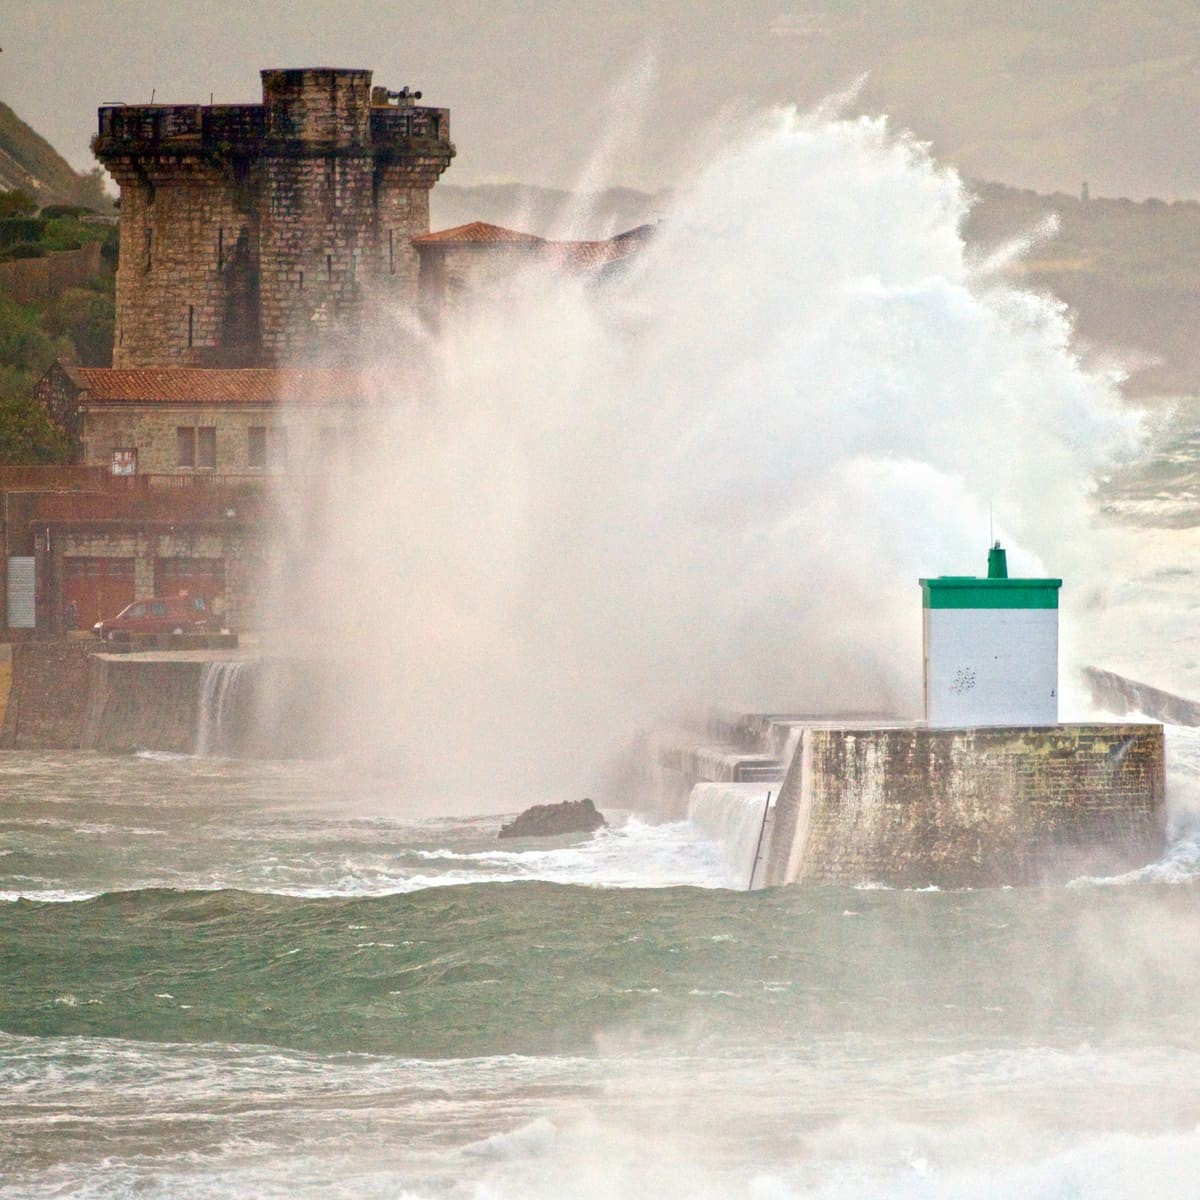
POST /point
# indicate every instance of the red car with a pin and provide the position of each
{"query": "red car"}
(162, 614)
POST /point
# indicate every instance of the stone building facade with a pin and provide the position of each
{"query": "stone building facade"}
(210, 423)
(271, 257)
(256, 234)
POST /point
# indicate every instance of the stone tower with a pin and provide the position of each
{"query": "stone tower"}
(262, 234)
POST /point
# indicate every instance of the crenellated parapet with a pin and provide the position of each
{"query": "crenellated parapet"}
(258, 234)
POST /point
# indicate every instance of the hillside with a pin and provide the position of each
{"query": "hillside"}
(30, 163)
(1130, 272)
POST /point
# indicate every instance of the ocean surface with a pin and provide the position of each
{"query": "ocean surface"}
(230, 978)
(289, 980)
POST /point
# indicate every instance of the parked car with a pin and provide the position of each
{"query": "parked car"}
(161, 614)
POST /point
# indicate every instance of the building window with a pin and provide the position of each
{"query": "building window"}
(191, 323)
(124, 461)
(329, 267)
(149, 248)
(196, 446)
(266, 447)
(206, 447)
(391, 252)
(256, 447)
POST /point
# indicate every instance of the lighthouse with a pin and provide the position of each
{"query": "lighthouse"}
(991, 648)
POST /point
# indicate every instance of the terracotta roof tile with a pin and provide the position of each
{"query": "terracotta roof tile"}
(579, 255)
(477, 233)
(253, 385)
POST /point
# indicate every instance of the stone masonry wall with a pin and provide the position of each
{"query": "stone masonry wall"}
(241, 554)
(974, 807)
(299, 437)
(179, 225)
(49, 695)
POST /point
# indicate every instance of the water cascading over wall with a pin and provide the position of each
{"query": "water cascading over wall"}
(732, 815)
(223, 709)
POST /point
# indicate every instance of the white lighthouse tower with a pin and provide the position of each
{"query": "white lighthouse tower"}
(991, 648)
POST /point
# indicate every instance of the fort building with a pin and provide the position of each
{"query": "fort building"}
(254, 234)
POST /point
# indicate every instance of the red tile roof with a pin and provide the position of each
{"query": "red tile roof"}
(477, 233)
(580, 255)
(251, 385)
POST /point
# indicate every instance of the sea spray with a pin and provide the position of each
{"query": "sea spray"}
(712, 476)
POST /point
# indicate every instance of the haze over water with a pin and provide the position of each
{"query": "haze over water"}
(714, 478)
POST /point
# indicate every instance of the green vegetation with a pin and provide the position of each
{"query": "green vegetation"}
(76, 325)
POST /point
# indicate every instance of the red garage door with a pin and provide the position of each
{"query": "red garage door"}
(192, 577)
(97, 587)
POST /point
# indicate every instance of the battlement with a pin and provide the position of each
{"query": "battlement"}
(304, 112)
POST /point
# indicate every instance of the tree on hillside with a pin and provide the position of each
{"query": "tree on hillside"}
(17, 204)
(27, 435)
(86, 317)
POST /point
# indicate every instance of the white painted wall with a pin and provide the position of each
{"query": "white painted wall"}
(991, 666)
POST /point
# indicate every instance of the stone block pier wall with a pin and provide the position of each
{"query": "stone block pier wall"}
(978, 807)
(913, 806)
(67, 695)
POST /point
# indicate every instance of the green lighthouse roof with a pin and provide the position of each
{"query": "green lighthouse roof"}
(996, 591)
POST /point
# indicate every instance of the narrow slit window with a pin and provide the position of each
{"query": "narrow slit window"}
(149, 248)
(220, 248)
(191, 323)
(391, 252)
(329, 267)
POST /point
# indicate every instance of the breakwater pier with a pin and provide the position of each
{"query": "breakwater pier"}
(911, 805)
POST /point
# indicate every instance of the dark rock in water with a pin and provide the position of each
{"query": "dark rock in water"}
(551, 820)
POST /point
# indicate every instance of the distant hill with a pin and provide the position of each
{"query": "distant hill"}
(29, 162)
(1129, 271)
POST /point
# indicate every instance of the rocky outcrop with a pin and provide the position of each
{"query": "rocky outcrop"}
(553, 820)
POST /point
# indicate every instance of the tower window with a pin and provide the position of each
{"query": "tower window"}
(149, 248)
(191, 323)
(391, 252)
(329, 267)
(220, 248)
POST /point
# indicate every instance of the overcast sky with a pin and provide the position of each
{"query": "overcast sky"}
(1036, 94)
